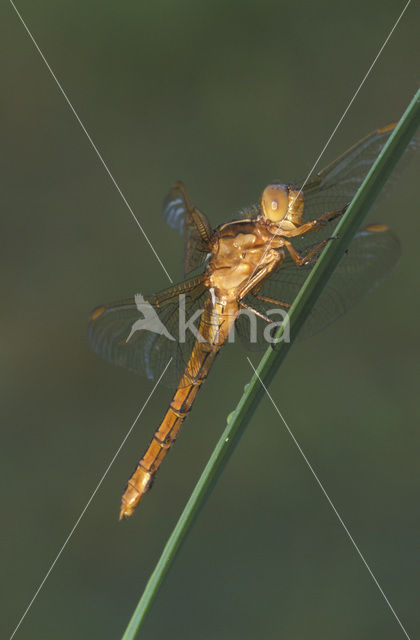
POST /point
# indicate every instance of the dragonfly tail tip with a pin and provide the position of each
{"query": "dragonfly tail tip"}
(125, 512)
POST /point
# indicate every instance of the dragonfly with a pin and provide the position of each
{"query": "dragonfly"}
(242, 270)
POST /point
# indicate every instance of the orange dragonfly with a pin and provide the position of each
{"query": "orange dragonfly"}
(254, 264)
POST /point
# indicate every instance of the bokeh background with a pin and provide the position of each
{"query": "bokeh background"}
(225, 96)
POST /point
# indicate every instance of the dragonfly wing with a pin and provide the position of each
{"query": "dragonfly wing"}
(142, 333)
(371, 256)
(184, 217)
(335, 186)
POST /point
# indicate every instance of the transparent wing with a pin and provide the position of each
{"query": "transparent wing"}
(335, 186)
(370, 257)
(142, 333)
(184, 217)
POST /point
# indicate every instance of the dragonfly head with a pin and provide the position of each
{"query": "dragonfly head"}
(283, 205)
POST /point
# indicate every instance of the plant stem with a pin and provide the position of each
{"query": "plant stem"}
(273, 357)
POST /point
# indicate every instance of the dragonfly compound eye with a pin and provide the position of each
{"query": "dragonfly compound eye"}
(275, 202)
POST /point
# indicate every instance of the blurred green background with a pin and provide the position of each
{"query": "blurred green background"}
(225, 96)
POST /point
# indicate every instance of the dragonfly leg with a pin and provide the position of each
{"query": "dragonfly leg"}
(314, 225)
(257, 313)
(286, 305)
(256, 280)
(300, 260)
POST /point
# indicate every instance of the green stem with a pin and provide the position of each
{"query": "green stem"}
(254, 391)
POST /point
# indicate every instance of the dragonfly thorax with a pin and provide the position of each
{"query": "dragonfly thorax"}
(240, 249)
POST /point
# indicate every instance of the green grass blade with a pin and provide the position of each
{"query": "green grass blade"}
(270, 362)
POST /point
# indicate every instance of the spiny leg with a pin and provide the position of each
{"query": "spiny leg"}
(256, 294)
(257, 313)
(300, 260)
(286, 305)
(314, 225)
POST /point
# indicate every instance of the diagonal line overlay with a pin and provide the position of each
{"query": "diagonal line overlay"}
(330, 502)
(334, 131)
(88, 503)
(95, 148)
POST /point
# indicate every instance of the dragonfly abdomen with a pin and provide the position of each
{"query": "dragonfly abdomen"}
(214, 329)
